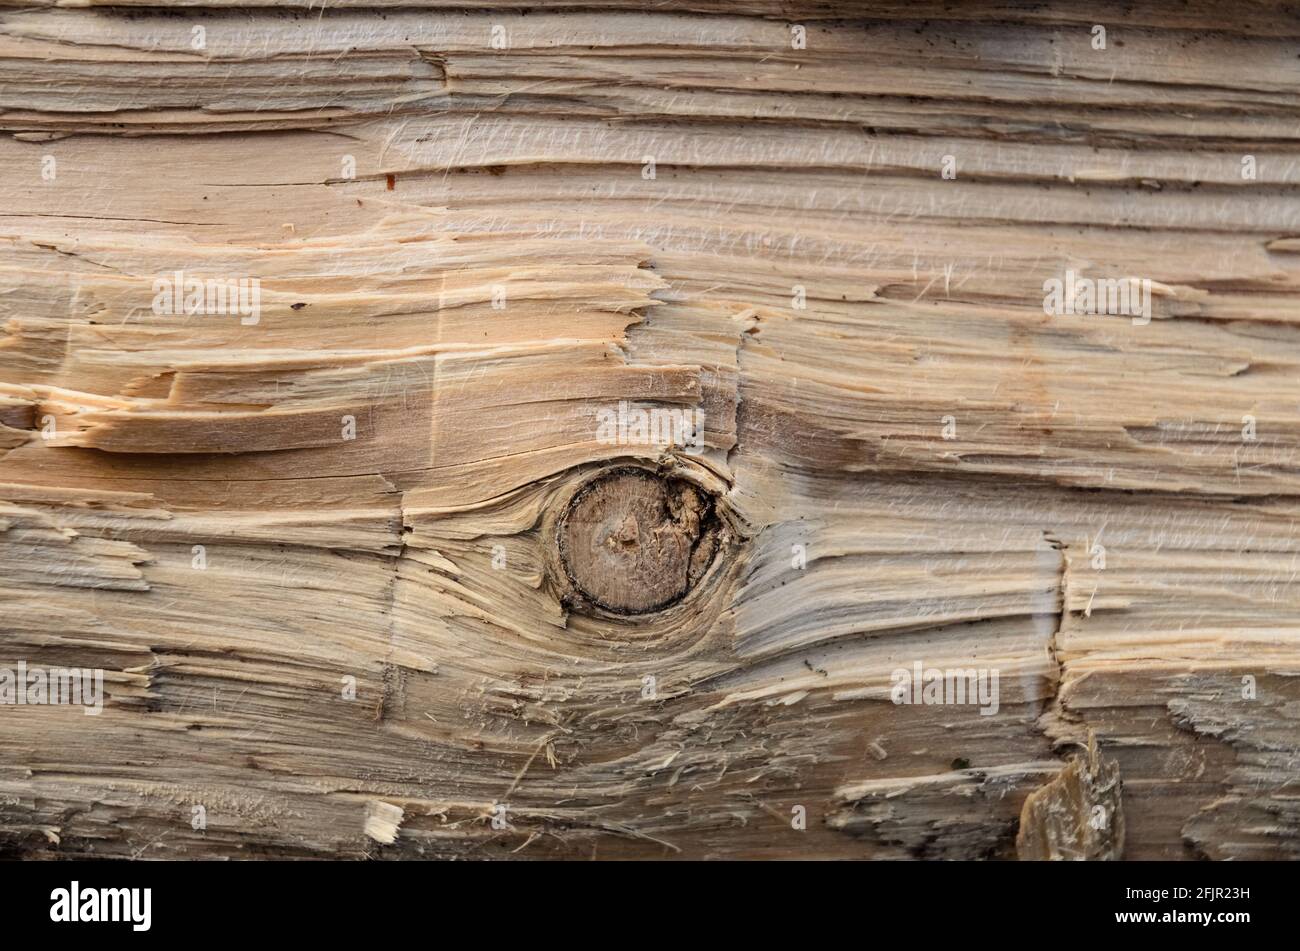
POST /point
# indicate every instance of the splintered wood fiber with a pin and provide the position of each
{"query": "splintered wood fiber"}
(650, 430)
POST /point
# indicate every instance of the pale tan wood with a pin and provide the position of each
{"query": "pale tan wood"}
(419, 559)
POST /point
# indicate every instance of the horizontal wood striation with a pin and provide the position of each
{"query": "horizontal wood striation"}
(462, 250)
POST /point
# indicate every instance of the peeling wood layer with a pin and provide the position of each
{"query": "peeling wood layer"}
(311, 542)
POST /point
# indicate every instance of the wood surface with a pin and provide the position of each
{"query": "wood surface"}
(472, 627)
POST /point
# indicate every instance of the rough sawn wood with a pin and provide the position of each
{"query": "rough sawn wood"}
(317, 554)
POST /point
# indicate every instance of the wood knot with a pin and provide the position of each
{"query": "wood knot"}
(632, 541)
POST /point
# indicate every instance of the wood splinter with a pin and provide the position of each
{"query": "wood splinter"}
(1078, 816)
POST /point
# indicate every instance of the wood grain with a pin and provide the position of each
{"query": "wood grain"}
(314, 549)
